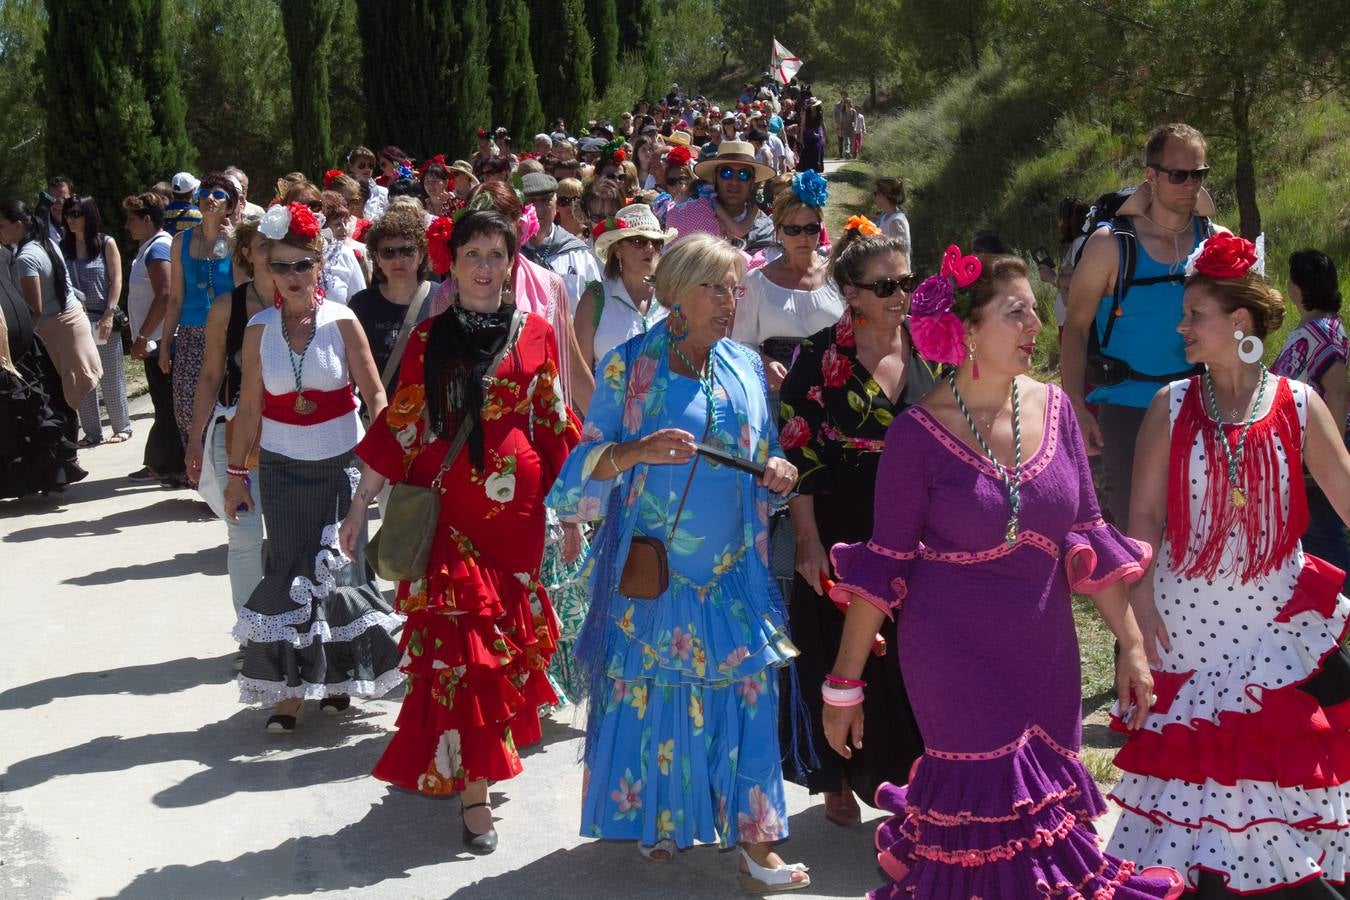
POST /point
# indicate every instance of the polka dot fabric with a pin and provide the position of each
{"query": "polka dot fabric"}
(1242, 768)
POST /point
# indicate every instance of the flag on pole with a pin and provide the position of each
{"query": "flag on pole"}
(784, 65)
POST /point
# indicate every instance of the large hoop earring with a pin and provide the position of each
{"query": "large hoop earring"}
(1249, 347)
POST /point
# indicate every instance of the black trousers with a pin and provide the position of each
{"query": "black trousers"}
(164, 447)
(1120, 426)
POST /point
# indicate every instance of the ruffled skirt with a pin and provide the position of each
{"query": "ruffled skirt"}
(34, 442)
(313, 627)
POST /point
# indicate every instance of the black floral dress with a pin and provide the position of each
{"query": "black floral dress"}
(834, 420)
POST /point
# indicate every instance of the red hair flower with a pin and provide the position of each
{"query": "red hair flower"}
(678, 156)
(609, 224)
(303, 222)
(1224, 256)
(438, 243)
(329, 176)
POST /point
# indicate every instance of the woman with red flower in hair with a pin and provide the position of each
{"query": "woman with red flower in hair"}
(679, 175)
(847, 384)
(313, 627)
(1240, 777)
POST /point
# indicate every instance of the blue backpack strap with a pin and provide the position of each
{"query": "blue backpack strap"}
(1127, 256)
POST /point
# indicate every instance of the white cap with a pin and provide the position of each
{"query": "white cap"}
(184, 183)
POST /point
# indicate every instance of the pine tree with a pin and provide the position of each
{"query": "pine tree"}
(637, 40)
(115, 111)
(515, 93)
(308, 25)
(602, 23)
(562, 57)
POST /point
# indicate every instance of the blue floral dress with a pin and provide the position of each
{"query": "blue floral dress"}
(682, 742)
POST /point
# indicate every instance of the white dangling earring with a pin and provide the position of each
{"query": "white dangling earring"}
(1250, 348)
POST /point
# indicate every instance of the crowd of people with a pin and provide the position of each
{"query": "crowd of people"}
(644, 436)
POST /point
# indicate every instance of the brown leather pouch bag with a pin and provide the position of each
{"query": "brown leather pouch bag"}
(646, 573)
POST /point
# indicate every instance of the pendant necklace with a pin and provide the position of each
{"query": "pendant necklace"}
(1236, 494)
(303, 405)
(1012, 478)
(705, 383)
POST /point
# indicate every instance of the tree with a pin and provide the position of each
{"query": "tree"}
(602, 24)
(308, 24)
(562, 57)
(515, 93)
(115, 113)
(471, 97)
(1150, 62)
(22, 29)
(638, 41)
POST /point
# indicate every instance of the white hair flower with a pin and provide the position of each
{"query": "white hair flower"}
(276, 222)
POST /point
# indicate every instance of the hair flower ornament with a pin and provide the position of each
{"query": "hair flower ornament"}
(438, 159)
(934, 325)
(330, 176)
(528, 224)
(276, 222)
(303, 222)
(609, 224)
(614, 150)
(1226, 256)
(438, 243)
(811, 189)
(863, 226)
(403, 171)
(678, 156)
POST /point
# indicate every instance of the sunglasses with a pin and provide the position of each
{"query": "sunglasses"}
(216, 194)
(885, 287)
(407, 251)
(567, 201)
(313, 205)
(726, 173)
(1181, 176)
(642, 243)
(677, 180)
(299, 267)
(75, 214)
(795, 230)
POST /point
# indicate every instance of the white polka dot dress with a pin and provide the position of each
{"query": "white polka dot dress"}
(1242, 769)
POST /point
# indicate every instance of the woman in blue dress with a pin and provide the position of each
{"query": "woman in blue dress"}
(682, 746)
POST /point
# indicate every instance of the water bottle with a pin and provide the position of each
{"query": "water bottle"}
(222, 247)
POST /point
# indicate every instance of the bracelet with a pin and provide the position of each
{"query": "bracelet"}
(837, 697)
(236, 471)
(612, 461)
(835, 680)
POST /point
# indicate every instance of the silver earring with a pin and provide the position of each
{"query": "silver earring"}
(1249, 348)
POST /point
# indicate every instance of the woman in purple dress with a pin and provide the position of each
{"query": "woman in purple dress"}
(985, 519)
(812, 154)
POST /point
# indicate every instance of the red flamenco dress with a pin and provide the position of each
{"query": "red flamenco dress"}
(1240, 777)
(480, 630)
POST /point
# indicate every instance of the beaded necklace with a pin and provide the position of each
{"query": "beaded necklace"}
(303, 405)
(706, 382)
(1013, 478)
(1236, 495)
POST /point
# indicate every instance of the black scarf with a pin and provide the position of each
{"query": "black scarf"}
(461, 345)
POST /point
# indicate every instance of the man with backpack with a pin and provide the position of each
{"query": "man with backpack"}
(1125, 301)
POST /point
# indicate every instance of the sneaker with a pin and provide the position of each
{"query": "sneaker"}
(144, 473)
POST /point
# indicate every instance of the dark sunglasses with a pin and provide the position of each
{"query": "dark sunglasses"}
(216, 194)
(567, 201)
(885, 287)
(299, 267)
(794, 230)
(726, 173)
(680, 180)
(314, 205)
(407, 251)
(75, 214)
(1180, 176)
(642, 243)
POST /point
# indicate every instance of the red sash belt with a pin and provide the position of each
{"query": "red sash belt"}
(327, 405)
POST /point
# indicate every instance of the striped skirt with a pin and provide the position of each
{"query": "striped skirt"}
(313, 627)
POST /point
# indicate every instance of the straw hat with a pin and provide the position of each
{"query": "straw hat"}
(680, 138)
(636, 220)
(463, 168)
(735, 152)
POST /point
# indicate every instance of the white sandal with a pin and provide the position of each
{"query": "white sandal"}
(763, 880)
(665, 845)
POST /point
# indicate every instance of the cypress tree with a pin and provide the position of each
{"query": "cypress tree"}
(470, 78)
(515, 93)
(602, 22)
(115, 109)
(308, 25)
(562, 57)
(637, 38)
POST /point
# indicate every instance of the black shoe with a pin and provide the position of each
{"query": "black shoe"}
(333, 706)
(143, 474)
(479, 844)
(282, 724)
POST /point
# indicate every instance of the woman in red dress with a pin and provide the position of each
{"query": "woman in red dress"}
(480, 628)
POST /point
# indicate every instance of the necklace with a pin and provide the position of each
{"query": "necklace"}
(303, 405)
(1236, 495)
(1175, 235)
(705, 383)
(1012, 478)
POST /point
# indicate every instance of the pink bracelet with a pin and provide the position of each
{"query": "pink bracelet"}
(838, 697)
(845, 682)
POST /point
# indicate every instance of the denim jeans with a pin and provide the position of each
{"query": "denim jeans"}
(246, 536)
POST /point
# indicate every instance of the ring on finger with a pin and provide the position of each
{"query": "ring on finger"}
(672, 451)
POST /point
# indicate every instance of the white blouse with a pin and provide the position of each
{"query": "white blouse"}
(620, 318)
(324, 369)
(769, 311)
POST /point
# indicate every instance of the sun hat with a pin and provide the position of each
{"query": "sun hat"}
(463, 168)
(680, 138)
(537, 184)
(635, 220)
(738, 152)
(184, 183)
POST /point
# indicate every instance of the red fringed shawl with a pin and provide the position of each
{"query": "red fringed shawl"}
(1266, 535)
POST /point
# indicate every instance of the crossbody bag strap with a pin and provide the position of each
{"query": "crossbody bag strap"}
(404, 332)
(466, 425)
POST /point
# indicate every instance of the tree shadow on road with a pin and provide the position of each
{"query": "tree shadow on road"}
(173, 509)
(205, 561)
(167, 677)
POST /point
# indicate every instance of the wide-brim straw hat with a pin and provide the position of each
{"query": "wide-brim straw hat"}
(638, 221)
(736, 152)
(463, 168)
(680, 138)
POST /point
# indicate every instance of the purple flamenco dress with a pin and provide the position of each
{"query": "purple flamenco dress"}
(999, 806)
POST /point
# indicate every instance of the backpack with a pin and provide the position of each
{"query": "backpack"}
(1103, 369)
